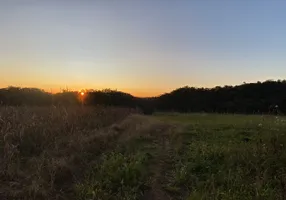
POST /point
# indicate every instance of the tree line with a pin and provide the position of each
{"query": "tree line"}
(260, 97)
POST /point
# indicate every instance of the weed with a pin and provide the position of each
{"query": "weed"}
(117, 177)
(219, 164)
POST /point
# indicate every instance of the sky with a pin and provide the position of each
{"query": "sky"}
(141, 47)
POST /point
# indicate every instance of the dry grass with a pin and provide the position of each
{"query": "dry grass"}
(44, 151)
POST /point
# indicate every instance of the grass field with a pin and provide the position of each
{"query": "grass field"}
(112, 153)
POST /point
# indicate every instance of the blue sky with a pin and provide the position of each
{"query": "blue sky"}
(143, 47)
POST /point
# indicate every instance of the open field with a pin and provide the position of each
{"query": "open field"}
(112, 153)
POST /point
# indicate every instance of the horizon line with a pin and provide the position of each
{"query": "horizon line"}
(135, 94)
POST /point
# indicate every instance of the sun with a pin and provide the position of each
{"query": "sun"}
(82, 93)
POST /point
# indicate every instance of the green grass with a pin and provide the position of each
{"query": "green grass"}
(229, 157)
(111, 153)
(118, 176)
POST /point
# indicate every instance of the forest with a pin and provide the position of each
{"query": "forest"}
(247, 98)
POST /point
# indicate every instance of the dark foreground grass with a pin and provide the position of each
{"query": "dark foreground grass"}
(45, 151)
(113, 153)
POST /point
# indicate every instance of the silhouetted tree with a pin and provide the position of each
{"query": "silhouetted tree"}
(251, 98)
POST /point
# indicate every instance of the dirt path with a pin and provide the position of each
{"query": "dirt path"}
(159, 167)
(160, 134)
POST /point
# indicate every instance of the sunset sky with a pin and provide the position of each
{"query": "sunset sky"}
(142, 47)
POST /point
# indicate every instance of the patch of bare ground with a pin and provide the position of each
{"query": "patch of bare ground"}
(158, 169)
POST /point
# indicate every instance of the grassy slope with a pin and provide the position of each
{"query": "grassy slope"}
(56, 153)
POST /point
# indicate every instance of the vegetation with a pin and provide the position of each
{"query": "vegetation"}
(44, 151)
(250, 98)
(228, 157)
(114, 153)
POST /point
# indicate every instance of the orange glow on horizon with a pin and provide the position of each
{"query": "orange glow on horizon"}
(137, 92)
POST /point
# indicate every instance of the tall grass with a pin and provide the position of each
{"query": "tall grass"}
(44, 150)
